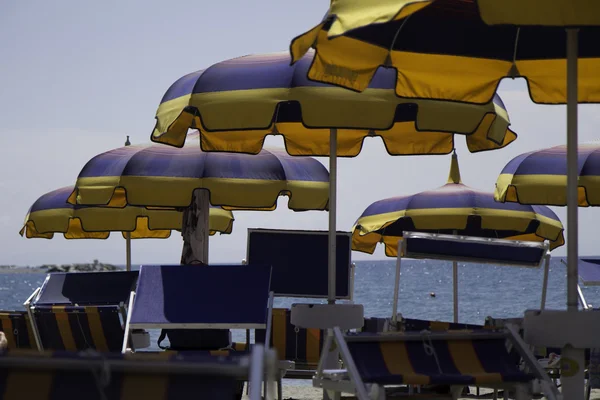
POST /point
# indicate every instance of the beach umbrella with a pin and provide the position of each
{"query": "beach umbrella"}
(453, 209)
(236, 103)
(153, 175)
(540, 177)
(51, 213)
(459, 50)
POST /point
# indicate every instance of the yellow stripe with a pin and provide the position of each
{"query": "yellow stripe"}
(439, 326)
(64, 327)
(30, 334)
(397, 362)
(239, 346)
(175, 192)
(279, 332)
(555, 13)
(7, 328)
(467, 362)
(96, 328)
(313, 349)
(28, 385)
(139, 386)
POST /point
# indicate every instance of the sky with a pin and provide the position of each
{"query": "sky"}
(77, 77)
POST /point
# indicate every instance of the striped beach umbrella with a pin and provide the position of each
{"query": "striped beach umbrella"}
(51, 214)
(163, 176)
(540, 177)
(453, 209)
(455, 50)
(236, 103)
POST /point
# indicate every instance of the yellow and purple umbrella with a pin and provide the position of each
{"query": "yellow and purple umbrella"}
(51, 214)
(164, 176)
(455, 50)
(236, 103)
(540, 177)
(453, 209)
(188, 178)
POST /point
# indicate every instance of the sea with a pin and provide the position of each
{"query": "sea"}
(483, 290)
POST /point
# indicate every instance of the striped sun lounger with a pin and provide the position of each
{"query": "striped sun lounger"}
(63, 375)
(16, 326)
(79, 311)
(456, 359)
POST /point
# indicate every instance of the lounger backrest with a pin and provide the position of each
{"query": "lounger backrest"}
(17, 329)
(428, 360)
(79, 328)
(202, 297)
(139, 376)
(87, 288)
(295, 344)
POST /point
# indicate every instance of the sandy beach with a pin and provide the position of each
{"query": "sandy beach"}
(306, 392)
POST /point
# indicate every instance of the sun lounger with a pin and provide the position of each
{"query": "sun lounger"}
(16, 326)
(114, 376)
(456, 359)
(79, 311)
(201, 297)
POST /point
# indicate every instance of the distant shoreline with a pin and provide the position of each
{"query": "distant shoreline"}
(50, 268)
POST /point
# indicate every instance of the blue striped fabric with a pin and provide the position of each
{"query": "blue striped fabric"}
(431, 360)
(57, 383)
(191, 162)
(265, 71)
(552, 161)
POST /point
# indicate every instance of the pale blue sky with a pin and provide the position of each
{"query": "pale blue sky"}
(76, 77)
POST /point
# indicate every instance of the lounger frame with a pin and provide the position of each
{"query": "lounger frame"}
(349, 380)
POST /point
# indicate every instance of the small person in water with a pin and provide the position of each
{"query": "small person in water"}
(431, 294)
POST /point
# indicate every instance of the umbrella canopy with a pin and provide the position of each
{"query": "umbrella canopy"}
(164, 176)
(236, 103)
(540, 177)
(451, 208)
(447, 49)
(52, 214)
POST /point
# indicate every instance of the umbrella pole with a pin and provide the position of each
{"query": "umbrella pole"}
(397, 285)
(455, 287)
(455, 280)
(573, 377)
(195, 229)
(332, 215)
(128, 250)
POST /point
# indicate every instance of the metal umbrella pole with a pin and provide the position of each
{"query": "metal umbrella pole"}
(573, 378)
(128, 234)
(331, 289)
(455, 286)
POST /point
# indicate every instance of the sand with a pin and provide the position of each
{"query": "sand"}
(306, 392)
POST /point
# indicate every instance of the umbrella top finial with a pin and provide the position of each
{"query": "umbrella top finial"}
(454, 176)
(127, 142)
